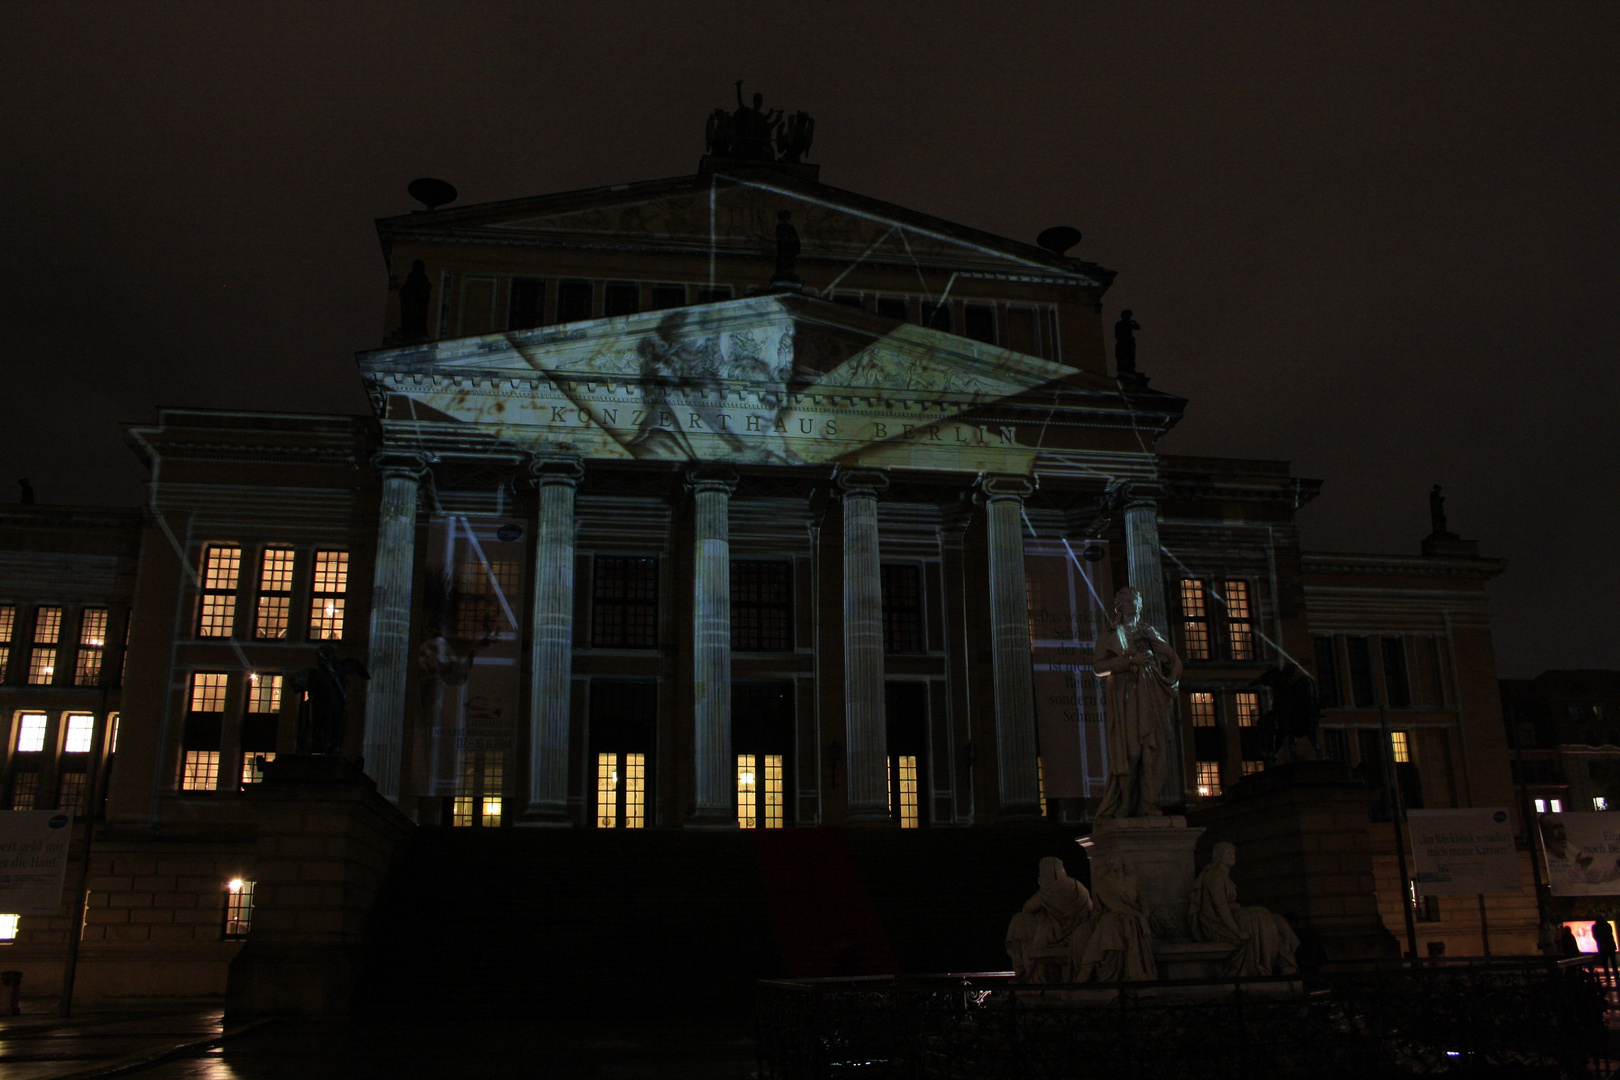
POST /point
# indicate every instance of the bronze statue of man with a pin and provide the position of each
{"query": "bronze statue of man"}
(323, 714)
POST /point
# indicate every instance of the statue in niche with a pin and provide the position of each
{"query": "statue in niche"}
(323, 713)
(1437, 512)
(1265, 943)
(1140, 673)
(413, 303)
(752, 128)
(1116, 945)
(787, 250)
(1125, 344)
(1047, 923)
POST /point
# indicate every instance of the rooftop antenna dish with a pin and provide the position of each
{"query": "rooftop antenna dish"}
(1059, 238)
(430, 192)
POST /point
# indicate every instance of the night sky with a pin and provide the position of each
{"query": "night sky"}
(1378, 241)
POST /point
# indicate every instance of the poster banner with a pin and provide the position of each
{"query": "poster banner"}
(1461, 852)
(468, 659)
(33, 860)
(1067, 580)
(1583, 852)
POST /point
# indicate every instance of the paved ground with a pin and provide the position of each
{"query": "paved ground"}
(39, 1046)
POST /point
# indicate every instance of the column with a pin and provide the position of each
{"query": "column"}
(865, 733)
(716, 767)
(391, 617)
(551, 640)
(1142, 553)
(1003, 497)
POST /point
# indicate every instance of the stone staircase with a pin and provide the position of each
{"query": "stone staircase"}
(510, 921)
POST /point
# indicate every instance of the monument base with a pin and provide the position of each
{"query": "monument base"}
(1159, 852)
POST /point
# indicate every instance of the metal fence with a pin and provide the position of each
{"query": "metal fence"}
(1525, 1018)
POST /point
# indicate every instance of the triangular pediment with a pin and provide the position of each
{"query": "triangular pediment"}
(738, 212)
(768, 379)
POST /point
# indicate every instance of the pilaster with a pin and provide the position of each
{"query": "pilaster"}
(1002, 496)
(865, 735)
(551, 640)
(716, 791)
(391, 617)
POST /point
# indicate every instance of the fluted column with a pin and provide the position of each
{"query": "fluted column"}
(1018, 785)
(865, 732)
(551, 640)
(715, 771)
(391, 618)
(1142, 553)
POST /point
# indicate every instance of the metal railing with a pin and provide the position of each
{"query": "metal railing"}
(1522, 1018)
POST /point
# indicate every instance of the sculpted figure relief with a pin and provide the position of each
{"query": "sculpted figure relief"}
(1265, 942)
(1117, 944)
(1047, 923)
(1140, 672)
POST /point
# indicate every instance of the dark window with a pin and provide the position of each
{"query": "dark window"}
(1336, 745)
(1428, 909)
(761, 606)
(624, 603)
(1209, 744)
(979, 322)
(713, 294)
(621, 298)
(666, 296)
(894, 307)
(902, 609)
(528, 303)
(1022, 334)
(849, 299)
(573, 301)
(1361, 674)
(1395, 681)
(937, 316)
(1327, 673)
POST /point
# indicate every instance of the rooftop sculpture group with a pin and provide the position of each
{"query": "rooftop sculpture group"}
(754, 134)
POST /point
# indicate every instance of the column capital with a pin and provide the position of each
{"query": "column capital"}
(547, 469)
(1140, 493)
(712, 477)
(994, 487)
(400, 464)
(863, 482)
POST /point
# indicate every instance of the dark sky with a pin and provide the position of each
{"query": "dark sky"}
(1375, 240)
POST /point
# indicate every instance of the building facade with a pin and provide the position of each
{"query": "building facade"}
(733, 500)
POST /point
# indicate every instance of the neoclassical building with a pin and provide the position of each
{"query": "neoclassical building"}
(733, 500)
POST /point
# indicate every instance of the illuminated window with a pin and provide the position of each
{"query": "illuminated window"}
(92, 644)
(1247, 707)
(624, 603)
(30, 732)
(1209, 778)
(902, 608)
(621, 791)
(1549, 806)
(1252, 767)
(80, 727)
(253, 765)
(759, 791)
(903, 790)
(1040, 785)
(201, 771)
(1239, 625)
(123, 657)
(71, 788)
(479, 796)
(216, 615)
(207, 692)
(24, 790)
(1201, 708)
(270, 620)
(761, 606)
(238, 907)
(1194, 619)
(8, 928)
(491, 806)
(1599, 802)
(264, 692)
(47, 632)
(112, 742)
(8, 630)
(1400, 747)
(330, 583)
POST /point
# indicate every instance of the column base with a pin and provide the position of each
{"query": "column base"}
(871, 818)
(712, 820)
(544, 819)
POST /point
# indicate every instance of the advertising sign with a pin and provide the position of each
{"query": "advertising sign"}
(1459, 852)
(468, 658)
(33, 860)
(1067, 581)
(1583, 853)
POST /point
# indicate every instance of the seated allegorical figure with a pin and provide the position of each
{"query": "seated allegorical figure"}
(1116, 945)
(1265, 942)
(1048, 920)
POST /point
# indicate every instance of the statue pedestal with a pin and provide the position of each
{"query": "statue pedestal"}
(326, 840)
(1159, 851)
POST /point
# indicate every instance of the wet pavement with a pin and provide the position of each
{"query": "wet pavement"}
(193, 1045)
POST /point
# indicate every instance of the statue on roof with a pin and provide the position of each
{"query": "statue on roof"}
(793, 136)
(752, 128)
(1437, 512)
(753, 133)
